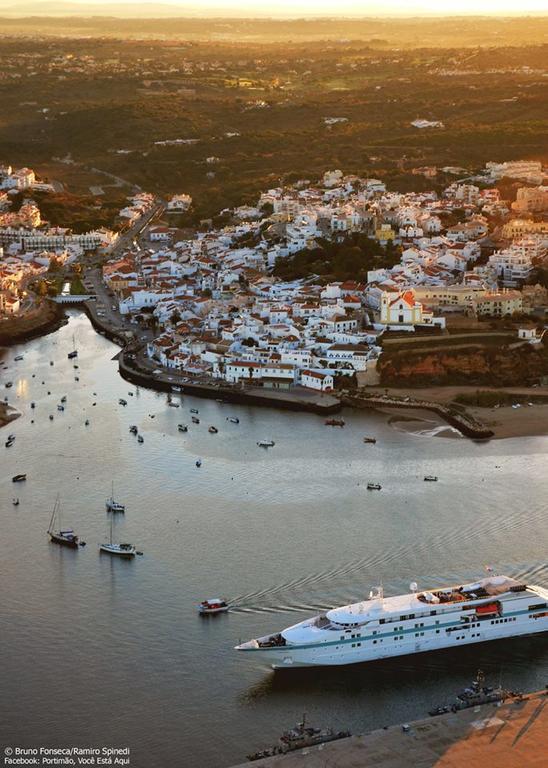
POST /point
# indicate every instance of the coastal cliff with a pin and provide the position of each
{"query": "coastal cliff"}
(492, 366)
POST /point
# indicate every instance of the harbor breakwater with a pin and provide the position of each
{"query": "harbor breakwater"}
(462, 421)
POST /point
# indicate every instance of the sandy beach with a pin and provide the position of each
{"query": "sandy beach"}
(504, 421)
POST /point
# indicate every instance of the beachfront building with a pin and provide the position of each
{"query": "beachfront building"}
(321, 382)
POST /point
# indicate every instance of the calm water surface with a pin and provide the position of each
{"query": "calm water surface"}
(95, 651)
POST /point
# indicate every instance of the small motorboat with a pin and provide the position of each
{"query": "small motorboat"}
(15, 502)
(121, 401)
(140, 439)
(9, 443)
(266, 443)
(76, 378)
(133, 429)
(130, 394)
(19, 478)
(33, 404)
(86, 423)
(213, 430)
(176, 389)
(9, 384)
(371, 440)
(51, 417)
(51, 362)
(233, 419)
(11, 437)
(64, 399)
(374, 486)
(214, 605)
(430, 479)
(18, 357)
(334, 422)
(182, 427)
(75, 367)
(173, 405)
(195, 420)
(72, 355)
(199, 463)
(60, 407)
(194, 410)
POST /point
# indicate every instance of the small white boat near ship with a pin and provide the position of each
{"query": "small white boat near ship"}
(213, 605)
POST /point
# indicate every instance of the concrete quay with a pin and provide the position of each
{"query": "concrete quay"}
(513, 734)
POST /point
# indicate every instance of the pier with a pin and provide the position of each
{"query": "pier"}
(513, 734)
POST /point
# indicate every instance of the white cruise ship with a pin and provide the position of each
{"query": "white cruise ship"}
(493, 608)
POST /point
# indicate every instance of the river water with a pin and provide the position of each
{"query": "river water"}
(98, 652)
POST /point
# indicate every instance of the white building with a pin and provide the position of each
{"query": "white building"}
(322, 382)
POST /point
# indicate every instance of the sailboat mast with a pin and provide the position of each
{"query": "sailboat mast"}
(50, 527)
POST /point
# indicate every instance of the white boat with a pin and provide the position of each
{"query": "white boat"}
(266, 443)
(121, 550)
(213, 605)
(18, 357)
(374, 487)
(176, 389)
(493, 608)
(213, 430)
(112, 505)
(233, 419)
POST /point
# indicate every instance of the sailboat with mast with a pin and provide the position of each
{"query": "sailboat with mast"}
(112, 505)
(74, 353)
(67, 537)
(121, 550)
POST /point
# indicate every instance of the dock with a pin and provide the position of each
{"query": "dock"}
(513, 734)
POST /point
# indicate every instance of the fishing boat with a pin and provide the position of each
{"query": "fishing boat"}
(18, 478)
(133, 429)
(112, 505)
(334, 422)
(374, 487)
(121, 401)
(195, 420)
(430, 479)
(213, 605)
(370, 440)
(496, 607)
(266, 443)
(67, 538)
(119, 550)
(299, 737)
(140, 439)
(213, 430)
(476, 693)
(233, 419)
(182, 427)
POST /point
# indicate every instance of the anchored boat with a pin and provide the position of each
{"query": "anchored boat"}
(112, 505)
(476, 693)
(119, 550)
(67, 537)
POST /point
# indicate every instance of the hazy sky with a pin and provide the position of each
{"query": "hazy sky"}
(340, 7)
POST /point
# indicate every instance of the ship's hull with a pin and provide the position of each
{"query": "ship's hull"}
(55, 539)
(117, 552)
(363, 650)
